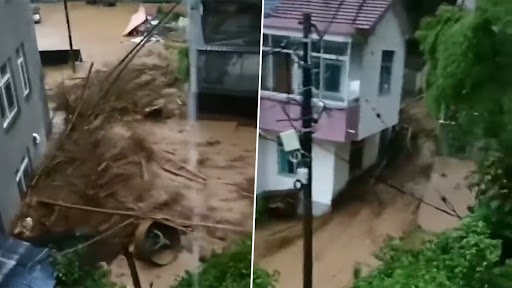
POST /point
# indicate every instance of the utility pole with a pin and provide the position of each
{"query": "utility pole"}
(192, 103)
(307, 143)
(70, 39)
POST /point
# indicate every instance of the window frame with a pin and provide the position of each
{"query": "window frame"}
(390, 66)
(280, 156)
(341, 96)
(23, 70)
(20, 174)
(4, 79)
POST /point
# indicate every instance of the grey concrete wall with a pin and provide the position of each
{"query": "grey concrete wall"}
(388, 35)
(17, 27)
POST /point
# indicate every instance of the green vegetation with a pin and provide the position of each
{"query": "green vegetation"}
(73, 270)
(229, 270)
(469, 55)
(183, 64)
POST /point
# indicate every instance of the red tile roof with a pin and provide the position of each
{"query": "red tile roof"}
(359, 14)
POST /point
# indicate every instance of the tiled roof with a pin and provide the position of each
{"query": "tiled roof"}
(359, 14)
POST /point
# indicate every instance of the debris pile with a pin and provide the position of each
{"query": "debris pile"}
(122, 157)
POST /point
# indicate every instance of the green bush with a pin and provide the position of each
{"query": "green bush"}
(183, 64)
(74, 271)
(229, 270)
(459, 258)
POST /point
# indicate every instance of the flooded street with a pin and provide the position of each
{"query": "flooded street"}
(96, 30)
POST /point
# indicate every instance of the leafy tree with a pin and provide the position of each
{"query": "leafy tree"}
(469, 55)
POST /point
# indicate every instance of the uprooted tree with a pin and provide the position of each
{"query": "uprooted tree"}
(469, 56)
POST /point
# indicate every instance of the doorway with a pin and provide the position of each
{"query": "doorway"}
(356, 157)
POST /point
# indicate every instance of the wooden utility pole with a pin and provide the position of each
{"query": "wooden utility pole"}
(70, 38)
(307, 146)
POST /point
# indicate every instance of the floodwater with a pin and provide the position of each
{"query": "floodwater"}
(95, 30)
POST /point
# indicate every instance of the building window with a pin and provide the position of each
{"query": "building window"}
(22, 66)
(8, 103)
(386, 72)
(328, 75)
(286, 164)
(329, 60)
(24, 175)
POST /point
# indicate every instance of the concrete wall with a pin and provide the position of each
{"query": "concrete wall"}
(17, 27)
(371, 150)
(330, 172)
(387, 36)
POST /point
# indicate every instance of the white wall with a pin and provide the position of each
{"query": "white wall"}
(268, 177)
(330, 173)
(371, 150)
(386, 36)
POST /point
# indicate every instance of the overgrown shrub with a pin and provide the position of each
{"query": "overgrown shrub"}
(73, 270)
(459, 258)
(183, 64)
(229, 270)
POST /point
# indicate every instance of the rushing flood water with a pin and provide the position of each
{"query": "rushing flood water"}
(96, 30)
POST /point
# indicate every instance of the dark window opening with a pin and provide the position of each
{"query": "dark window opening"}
(282, 72)
(231, 23)
(386, 72)
(285, 163)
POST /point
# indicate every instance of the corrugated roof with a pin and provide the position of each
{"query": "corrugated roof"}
(24, 266)
(357, 14)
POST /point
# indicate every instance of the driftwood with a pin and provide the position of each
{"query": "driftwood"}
(176, 223)
(82, 99)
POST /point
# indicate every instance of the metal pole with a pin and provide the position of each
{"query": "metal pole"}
(307, 143)
(70, 38)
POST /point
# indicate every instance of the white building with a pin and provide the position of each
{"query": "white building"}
(359, 69)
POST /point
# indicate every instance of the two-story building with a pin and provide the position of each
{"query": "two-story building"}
(24, 114)
(358, 69)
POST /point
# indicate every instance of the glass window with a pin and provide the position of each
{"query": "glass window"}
(22, 66)
(386, 72)
(8, 104)
(24, 175)
(335, 48)
(332, 75)
(285, 164)
(327, 78)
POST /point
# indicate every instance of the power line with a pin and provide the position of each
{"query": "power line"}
(402, 191)
(329, 24)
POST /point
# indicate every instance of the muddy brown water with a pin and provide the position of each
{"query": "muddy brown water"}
(96, 31)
